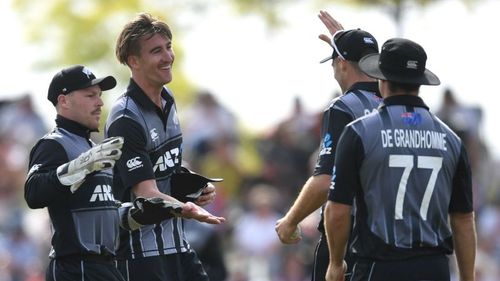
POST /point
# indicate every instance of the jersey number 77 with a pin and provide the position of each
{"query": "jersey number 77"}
(407, 162)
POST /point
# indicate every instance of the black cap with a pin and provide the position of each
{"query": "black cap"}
(401, 60)
(76, 77)
(186, 185)
(352, 44)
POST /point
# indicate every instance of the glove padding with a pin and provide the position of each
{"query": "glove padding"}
(151, 211)
(186, 185)
(102, 156)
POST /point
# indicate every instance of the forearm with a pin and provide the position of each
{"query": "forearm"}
(312, 196)
(148, 189)
(337, 228)
(41, 190)
(464, 238)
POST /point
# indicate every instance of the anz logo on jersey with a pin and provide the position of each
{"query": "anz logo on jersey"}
(168, 160)
(102, 193)
(326, 145)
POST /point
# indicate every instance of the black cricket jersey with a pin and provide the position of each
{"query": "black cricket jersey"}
(152, 150)
(85, 222)
(361, 99)
(406, 170)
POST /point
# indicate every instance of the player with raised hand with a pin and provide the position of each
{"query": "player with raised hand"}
(359, 97)
(408, 174)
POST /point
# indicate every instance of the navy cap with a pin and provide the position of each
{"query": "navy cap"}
(76, 77)
(401, 60)
(352, 45)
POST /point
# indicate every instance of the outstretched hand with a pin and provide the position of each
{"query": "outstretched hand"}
(331, 24)
(193, 211)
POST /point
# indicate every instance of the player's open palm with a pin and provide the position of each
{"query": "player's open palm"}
(193, 211)
(331, 24)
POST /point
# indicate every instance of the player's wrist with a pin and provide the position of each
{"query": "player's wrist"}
(291, 219)
(336, 262)
(126, 219)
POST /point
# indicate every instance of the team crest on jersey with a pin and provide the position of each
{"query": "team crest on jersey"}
(326, 145)
(411, 118)
(154, 135)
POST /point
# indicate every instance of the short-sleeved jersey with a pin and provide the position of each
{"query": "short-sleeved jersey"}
(152, 150)
(406, 170)
(84, 222)
(361, 99)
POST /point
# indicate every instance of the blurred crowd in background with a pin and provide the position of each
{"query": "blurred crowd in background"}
(263, 172)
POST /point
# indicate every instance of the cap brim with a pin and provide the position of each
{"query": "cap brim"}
(105, 83)
(195, 178)
(326, 59)
(369, 65)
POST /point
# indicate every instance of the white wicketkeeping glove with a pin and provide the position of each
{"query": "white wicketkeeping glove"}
(102, 156)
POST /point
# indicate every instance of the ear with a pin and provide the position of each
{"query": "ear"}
(133, 61)
(62, 101)
(343, 64)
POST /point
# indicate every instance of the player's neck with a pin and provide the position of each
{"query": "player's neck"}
(152, 90)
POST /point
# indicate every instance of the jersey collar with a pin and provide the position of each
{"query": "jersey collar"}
(365, 86)
(73, 126)
(138, 95)
(410, 100)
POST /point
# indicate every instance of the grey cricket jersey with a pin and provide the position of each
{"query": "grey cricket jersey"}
(152, 150)
(85, 222)
(359, 100)
(407, 170)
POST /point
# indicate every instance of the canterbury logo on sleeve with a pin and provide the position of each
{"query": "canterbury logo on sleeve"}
(134, 163)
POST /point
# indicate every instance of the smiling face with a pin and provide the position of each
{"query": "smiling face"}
(153, 64)
(82, 106)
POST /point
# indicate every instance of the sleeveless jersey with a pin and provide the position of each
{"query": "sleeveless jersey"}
(361, 99)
